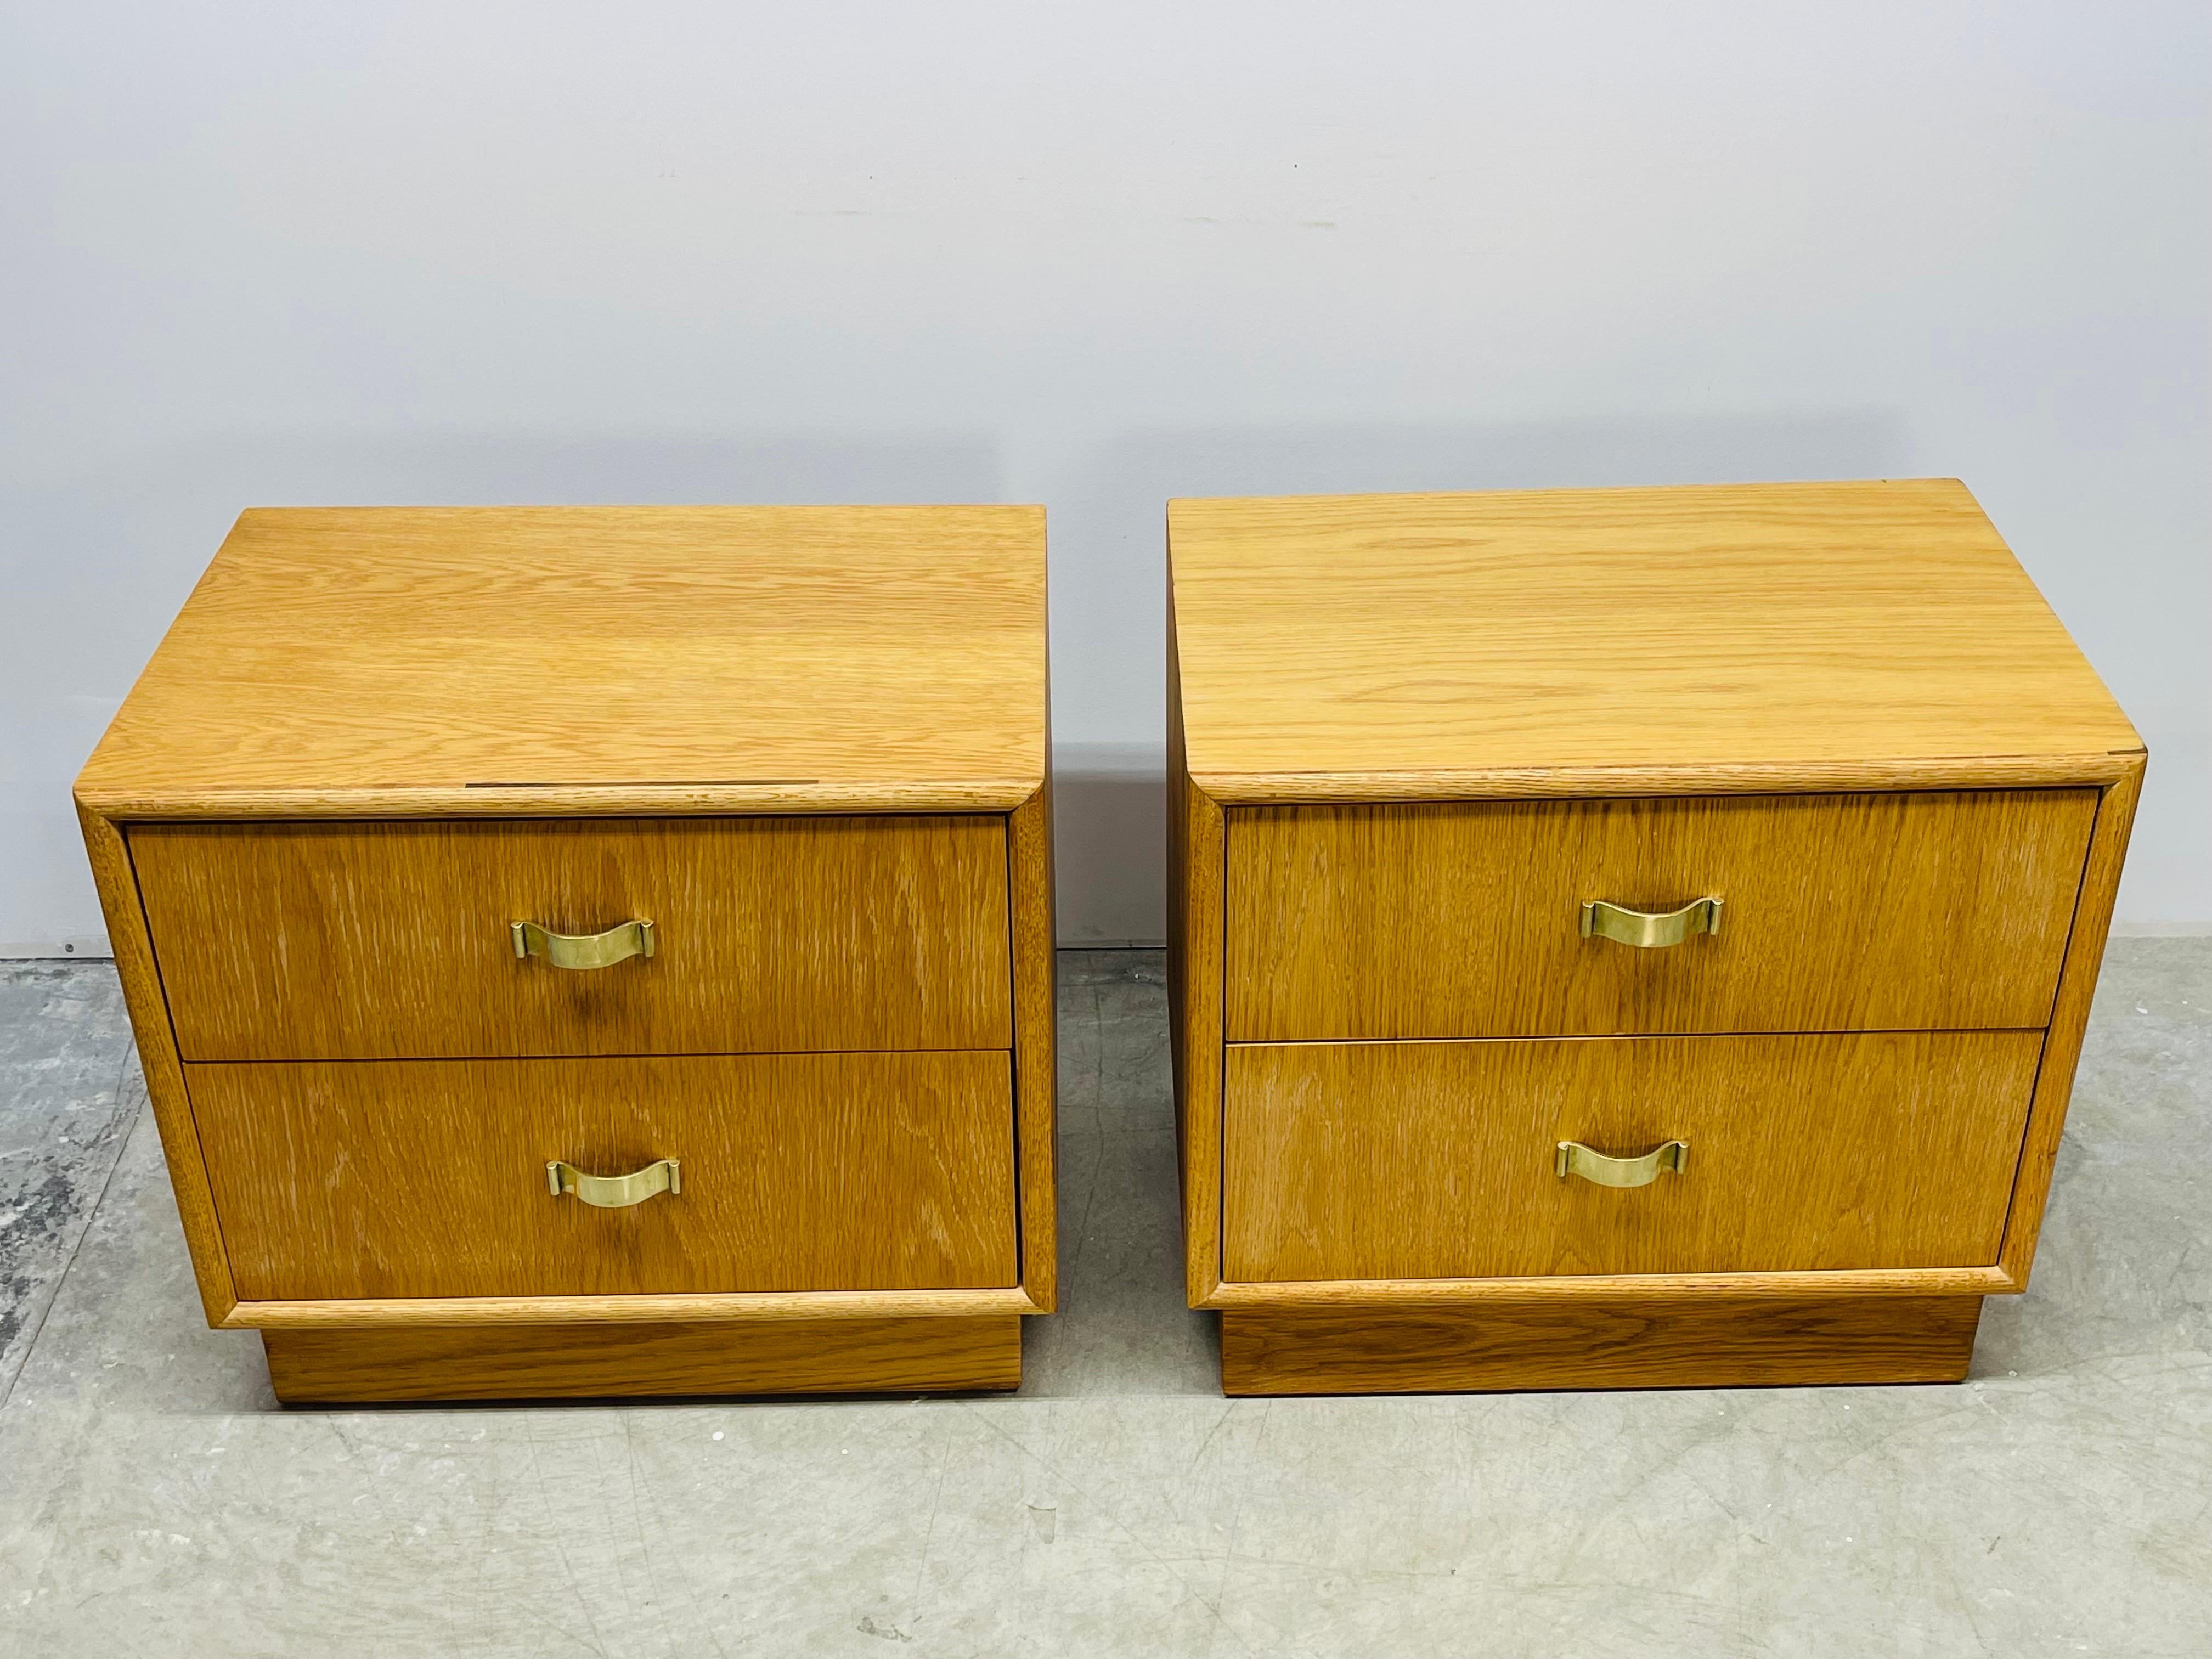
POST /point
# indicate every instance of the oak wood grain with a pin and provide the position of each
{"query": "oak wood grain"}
(2098, 768)
(426, 1178)
(852, 1356)
(307, 767)
(1878, 624)
(307, 941)
(489, 661)
(749, 1307)
(1625, 656)
(128, 938)
(1628, 1343)
(1035, 1015)
(1427, 1160)
(1824, 1285)
(1195, 831)
(1840, 913)
(2069, 1019)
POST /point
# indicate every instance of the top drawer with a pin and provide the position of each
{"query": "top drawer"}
(334, 941)
(1893, 912)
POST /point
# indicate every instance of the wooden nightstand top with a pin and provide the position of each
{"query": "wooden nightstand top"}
(1620, 640)
(493, 661)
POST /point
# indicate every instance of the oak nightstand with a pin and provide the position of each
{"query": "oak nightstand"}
(599, 951)
(1624, 938)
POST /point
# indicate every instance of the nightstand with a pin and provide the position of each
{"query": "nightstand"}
(599, 951)
(1620, 938)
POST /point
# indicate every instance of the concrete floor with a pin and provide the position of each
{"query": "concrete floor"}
(154, 1500)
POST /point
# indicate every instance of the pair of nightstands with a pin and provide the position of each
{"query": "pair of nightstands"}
(1618, 938)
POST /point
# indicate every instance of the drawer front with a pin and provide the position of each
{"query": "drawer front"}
(396, 940)
(1839, 913)
(1437, 1160)
(798, 1172)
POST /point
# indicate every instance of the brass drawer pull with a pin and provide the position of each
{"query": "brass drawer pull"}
(615, 1192)
(1647, 931)
(631, 939)
(1575, 1159)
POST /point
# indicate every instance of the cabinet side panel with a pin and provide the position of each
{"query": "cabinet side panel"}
(2069, 1017)
(157, 1051)
(1029, 878)
(1194, 968)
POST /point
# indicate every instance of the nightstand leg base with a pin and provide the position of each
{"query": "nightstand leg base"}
(1678, 1343)
(902, 1355)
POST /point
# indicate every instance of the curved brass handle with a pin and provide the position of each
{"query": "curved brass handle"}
(1575, 1159)
(619, 943)
(1646, 931)
(615, 1192)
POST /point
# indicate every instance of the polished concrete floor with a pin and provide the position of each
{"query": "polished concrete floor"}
(154, 1500)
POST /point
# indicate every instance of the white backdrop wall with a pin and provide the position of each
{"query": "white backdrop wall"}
(1092, 256)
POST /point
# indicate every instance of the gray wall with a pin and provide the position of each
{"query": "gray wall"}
(1091, 257)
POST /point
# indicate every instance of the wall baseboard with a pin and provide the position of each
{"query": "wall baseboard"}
(89, 947)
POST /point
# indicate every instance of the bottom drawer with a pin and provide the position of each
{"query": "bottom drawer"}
(428, 1178)
(1436, 1160)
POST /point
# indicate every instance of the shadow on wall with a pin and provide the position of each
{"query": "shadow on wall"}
(1109, 536)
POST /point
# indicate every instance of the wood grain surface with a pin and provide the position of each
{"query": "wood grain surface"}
(492, 661)
(1036, 1016)
(2099, 770)
(1194, 841)
(1427, 1160)
(308, 941)
(2069, 1019)
(746, 1307)
(1485, 639)
(1631, 1343)
(852, 1356)
(128, 938)
(426, 1178)
(1549, 1289)
(1841, 913)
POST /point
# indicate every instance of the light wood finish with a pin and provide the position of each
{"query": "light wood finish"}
(1195, 946)
(374, 1313)
(1628, 1343)
(1035, 1015)
(128, 938)
(1434, 1160)
(454, 661)
(375, 738)
(1410, 736)
(1840, 913)
(1341, 1295)
(312, 941)
(800, 1172)
(2101, 768)
(2069, 1019)
(852, 1356)
(1468, 642)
